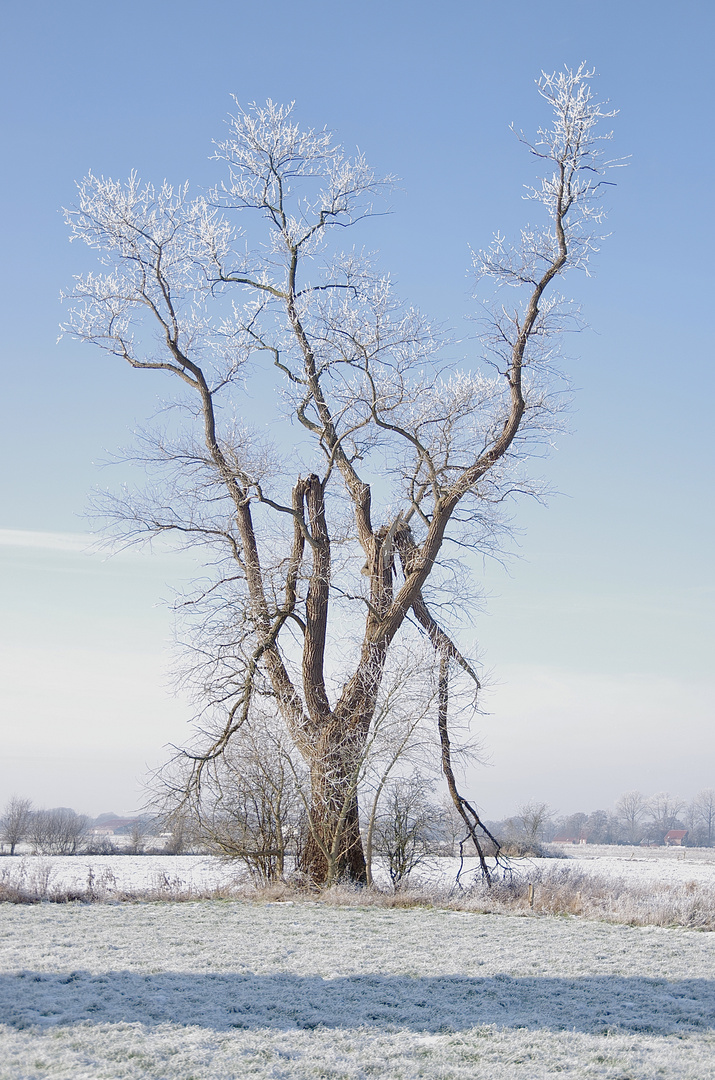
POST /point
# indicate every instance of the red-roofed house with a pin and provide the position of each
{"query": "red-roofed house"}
(676, 837)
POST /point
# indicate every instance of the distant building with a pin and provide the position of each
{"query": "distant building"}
(676, 837)
(581, 839)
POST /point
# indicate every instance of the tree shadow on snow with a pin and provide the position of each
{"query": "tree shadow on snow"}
(590, 1004)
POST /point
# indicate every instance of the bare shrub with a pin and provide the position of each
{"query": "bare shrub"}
(100, 845)
(407, 827)
(57, 832)
(250, 805)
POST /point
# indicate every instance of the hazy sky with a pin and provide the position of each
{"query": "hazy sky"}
(599, 635)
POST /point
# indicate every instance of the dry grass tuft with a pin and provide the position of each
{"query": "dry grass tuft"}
(570, 891)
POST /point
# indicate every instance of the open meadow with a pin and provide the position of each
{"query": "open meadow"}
(224, 988)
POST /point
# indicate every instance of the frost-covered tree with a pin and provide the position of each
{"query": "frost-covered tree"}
(57, 832)
(327, 543)
(664, 811)
(631, 809)
(15, 821)
(407, 827)
(252, 807)
(531, 821)
(703, 814)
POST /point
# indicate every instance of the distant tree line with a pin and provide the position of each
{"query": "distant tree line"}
(264, 824)
(635, 819)
(62, 831)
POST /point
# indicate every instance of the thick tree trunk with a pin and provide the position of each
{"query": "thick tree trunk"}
(333, 851)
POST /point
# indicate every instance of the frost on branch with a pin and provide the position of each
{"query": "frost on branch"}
(570, 191)
(267, 152)
(162, 250)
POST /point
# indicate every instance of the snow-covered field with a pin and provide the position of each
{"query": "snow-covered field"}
(112, 875)
(676, 865)
(109, 875)
(230, 989)
(227, 988)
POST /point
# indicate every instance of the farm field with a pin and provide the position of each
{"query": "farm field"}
(167, 875)
(210, 989)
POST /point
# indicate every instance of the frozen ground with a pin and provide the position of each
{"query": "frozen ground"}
(631, 864)
(109, 875)
(676, 865)
(226, 989)
(170, 875)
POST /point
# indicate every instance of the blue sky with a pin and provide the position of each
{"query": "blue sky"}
(599, 634)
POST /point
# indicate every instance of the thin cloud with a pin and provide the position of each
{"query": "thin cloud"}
(48, 541)
(90, 544)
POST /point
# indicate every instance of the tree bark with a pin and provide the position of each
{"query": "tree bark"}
(333, 850)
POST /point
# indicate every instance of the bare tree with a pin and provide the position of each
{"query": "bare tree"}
(136, 837)
(704, 813)
(402, 736)
(250, 805)
(573, 825)
(530, 821)
(630, 812)
(663, 810)
(15, 822)
(407, 826)
(57, 832)
(327, 549)
(600, 827)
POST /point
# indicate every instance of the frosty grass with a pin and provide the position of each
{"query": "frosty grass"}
(182, 875)
(232, 989)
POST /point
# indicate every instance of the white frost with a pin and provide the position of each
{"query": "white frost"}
(229, 989)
